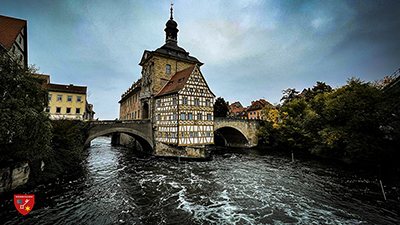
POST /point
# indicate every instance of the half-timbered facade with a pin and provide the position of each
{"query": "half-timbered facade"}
(184, 110)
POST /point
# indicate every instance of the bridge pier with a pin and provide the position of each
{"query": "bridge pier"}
(115, 139)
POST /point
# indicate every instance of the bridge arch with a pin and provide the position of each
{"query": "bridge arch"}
(140, 130)
(236, 132)
(231, 136)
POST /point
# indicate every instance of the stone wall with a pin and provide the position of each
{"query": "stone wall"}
(198, 152)
(14, 176)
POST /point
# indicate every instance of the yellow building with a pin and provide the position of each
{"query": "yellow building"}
(67, 101)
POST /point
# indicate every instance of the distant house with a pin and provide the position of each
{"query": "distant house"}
(184, 110)
(14, 38)
(394, 86)
(236, 110)
(254, 110)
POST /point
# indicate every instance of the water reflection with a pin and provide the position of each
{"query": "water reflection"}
(116, 185)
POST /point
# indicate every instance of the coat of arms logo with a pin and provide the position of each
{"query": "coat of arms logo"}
(24, 203)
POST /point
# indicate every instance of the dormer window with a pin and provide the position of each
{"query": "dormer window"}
(168, 69)
(180, 80)
(169, 83)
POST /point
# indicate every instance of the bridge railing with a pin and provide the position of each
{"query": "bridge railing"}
(118, 121)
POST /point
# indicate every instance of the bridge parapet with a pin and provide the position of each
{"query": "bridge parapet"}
(140, 129)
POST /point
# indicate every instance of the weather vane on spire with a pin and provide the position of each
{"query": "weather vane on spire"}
(171, 11)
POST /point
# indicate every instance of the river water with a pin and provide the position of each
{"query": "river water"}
(115, 185)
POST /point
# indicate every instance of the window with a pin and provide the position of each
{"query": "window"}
(58, 110)
(174, 116)
(191, 134)
(189, 116)
(208, 116)
(191, 89)
(196, 134)
(158, 117)
(50, 97)
(208, 134)
(78, 111)
(174, 101)
(184, 101)
(168, 69)
(59, 98)
(207, 102)
(181, 79)
(69, 98)
(196, 102)
(158, 103)
(183, 116)
(48, 109)
(199, 116)
(68, 111)
(79, 99)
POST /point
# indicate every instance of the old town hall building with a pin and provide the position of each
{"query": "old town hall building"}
(173, 93)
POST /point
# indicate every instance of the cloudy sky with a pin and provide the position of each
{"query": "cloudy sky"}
(251, 49)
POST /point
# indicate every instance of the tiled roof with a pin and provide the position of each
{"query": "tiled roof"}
(9, 30)
(257, 105)
(70, 88)
(176, 83)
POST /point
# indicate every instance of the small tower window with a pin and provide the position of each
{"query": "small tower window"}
(168, 69)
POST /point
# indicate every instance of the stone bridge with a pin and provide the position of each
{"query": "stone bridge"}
(141, 130)
(227, 132)
(235, 132)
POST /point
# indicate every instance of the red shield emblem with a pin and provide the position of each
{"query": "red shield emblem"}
(24, 203)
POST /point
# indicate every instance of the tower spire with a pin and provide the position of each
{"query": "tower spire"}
(171, 30)
(171, 18)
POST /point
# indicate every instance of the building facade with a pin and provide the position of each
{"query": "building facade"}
(160, 65)
(130, 103)
(254, 110)
(236, 110)
(14, 38)
(184, 110)
(173, 94)
(67, 101)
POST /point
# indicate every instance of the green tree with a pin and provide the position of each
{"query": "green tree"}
(289, 95)
(220, 107)
(320, 88)
(25, 129)
(352, 122)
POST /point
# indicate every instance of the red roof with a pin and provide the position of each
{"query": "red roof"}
(176, 83)
(9, 30)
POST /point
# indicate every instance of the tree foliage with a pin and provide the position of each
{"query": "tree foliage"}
(25, 129)
(220, 107)
(356, 123)
(289, 95)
